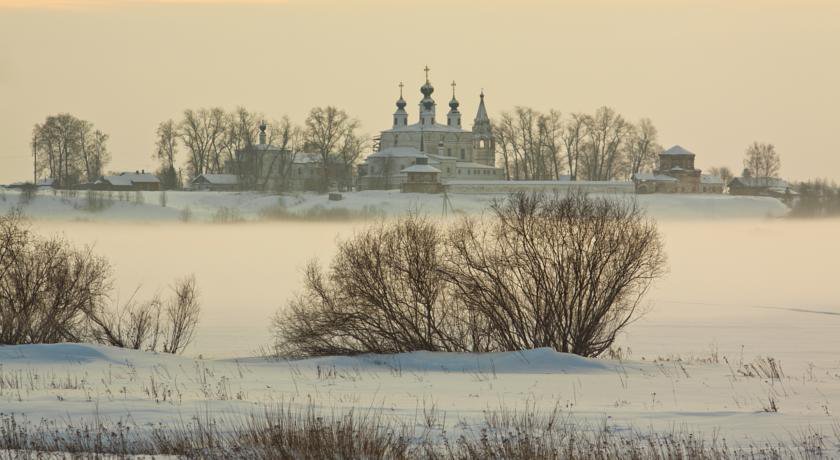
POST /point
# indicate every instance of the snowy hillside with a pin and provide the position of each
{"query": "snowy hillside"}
(234, 206)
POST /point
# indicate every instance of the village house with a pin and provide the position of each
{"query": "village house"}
(676, 174)
(760, 186)
(215, 182)
(128, 181)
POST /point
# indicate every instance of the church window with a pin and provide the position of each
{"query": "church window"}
(462, 154)
(433, 120)
(481, 144)
(449, 151)
(395, 121)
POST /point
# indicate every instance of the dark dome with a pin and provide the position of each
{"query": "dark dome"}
(400, 103)
(453, 104)
(427, 89)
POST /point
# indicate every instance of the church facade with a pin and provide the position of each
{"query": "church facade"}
(442, 145)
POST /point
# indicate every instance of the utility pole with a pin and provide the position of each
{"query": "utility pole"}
(35, 160)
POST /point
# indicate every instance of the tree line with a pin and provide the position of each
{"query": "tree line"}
(69, 150)
(534, 145)
(211, 139)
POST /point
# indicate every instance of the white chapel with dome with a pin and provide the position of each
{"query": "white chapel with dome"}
(432, 149)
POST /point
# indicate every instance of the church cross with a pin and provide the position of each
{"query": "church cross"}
(401, 87)
(427, 72)
(453, 88)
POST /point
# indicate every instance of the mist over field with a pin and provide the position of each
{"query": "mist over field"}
(768, 285)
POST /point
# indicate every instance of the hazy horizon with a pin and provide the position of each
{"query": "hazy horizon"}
(713, 77)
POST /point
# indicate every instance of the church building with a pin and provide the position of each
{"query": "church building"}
(445, 151)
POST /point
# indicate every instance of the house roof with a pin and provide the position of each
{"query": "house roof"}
(651, 177)
(218, 179)
(127, 179)
(759, 182)
(677, 150)
(420, 169)
(468, 164)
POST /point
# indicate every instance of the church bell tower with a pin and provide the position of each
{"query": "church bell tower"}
(484, 143)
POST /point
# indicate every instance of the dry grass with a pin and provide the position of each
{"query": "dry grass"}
(281, 432)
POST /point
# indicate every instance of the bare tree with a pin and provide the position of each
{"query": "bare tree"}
(642, 147)
(762, 160)
(551, 141)
(723, 172)
(69, 149)
(327, 129)
(202, 132)
(574, 141)
(607, 132)
(182, 313)
(166, 152)
(566, 272)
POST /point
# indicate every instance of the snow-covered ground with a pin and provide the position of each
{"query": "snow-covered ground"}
(740, 288)
(209, 206)
(95, 384)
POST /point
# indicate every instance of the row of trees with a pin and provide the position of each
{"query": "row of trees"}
(211, 138)
(69, 150)
(602, 146)
(560, 271)
(53, 292)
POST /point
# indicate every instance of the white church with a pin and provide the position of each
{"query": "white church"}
(423, 155)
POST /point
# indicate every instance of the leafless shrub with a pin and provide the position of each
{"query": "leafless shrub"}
(561, 271)
(566, 272)
(53, 292)
(47, 287)
(383, 292)
(154, 325)
(763, 367)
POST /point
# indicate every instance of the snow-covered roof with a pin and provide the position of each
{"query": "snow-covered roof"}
(420, 169)
(398, 152)
(710, 179)
(677, 150)
(127, 179)
(218, 179)
(468, 164)
(760, 182)
(307, 158)
(48, 182)
(653, 177)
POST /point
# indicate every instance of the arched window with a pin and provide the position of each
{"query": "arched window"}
(481, 143)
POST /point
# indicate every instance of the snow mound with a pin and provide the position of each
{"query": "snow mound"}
(59, 353)
(537, 361)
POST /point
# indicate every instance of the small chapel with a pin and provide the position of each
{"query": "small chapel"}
(423, 155)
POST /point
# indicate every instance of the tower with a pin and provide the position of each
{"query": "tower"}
(400, 116)
(262, 132)
(453, 118)
(427, 104)
(484, 143)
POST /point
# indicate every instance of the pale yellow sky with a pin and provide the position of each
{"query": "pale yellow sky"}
(713, 76)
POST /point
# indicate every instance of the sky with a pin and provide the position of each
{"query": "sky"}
(713, 75)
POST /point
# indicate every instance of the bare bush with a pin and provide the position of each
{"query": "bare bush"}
(560, 271)
(566, 272)
(47, 287)
(153, 325)
(384, 292)
(53, 292)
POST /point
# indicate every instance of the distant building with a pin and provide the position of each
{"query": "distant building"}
(676, 174)
(130, 181)
(421, 177)
(268, 167)
(457, 153)
(760, 186)
(215, 182)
